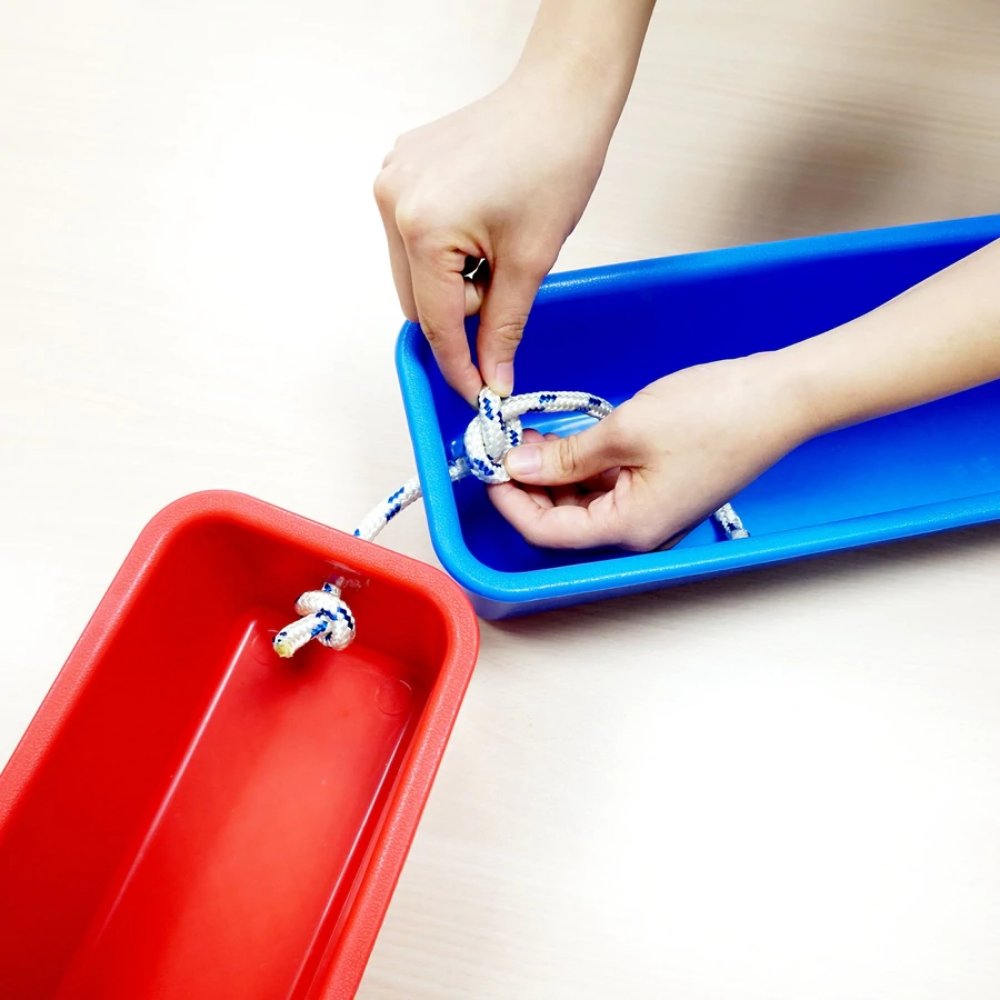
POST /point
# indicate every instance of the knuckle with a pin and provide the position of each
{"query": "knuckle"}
(398, 153)
(533, 263)
(384, 189)
(533, 530)
(529, 530)
(412, 221)
(509, 331)
(421, 229)
(446, 345)
(420, 219)
(391, 155)
(567, 455)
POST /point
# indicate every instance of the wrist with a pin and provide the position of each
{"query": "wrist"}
(576, 64)
(792, 398)
(572, 91)
(562, 116)
(834, 381)
(584, 55)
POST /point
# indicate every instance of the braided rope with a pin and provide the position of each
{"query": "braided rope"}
(490, 435)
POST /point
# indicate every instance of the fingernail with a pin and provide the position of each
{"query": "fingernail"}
(525, 460)
(503, 378)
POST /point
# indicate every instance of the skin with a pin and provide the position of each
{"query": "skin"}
(507, 178)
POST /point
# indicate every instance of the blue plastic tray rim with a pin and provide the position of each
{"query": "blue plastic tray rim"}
(631, 572)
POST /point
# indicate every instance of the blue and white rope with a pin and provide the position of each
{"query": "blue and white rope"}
(490, 435)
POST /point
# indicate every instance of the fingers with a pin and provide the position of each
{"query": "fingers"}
(560, 525)
(439, 291)
(575, 493)
(430, 286)
(428, 275)
(620, 516)
(505, 309)
(398, 260)
(576, 458)
(562, 514)
(593, 485)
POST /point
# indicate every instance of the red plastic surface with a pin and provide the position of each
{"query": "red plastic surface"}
(188, 815)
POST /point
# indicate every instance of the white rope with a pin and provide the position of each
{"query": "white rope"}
(490, 435)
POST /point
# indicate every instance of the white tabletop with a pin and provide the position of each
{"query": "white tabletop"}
(779, 785)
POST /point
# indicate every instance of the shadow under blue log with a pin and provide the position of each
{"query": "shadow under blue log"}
(612, 330)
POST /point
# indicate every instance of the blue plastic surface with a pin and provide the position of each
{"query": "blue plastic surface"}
(612, 330)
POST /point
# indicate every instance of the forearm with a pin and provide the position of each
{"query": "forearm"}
(937, 338)
(588, 47)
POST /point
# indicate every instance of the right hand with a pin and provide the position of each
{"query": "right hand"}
(506, 179)
(662, 461)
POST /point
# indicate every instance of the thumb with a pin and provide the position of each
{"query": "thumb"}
(504, 313)
(565, 460)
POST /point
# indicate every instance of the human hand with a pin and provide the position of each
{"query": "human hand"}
(660, 462)
(505, 179)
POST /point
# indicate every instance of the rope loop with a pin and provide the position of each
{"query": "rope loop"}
(497, 426)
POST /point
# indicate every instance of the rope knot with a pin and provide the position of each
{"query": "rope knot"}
(325, 616)
(497, 426)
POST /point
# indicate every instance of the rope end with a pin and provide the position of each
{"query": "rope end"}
(283, 646)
